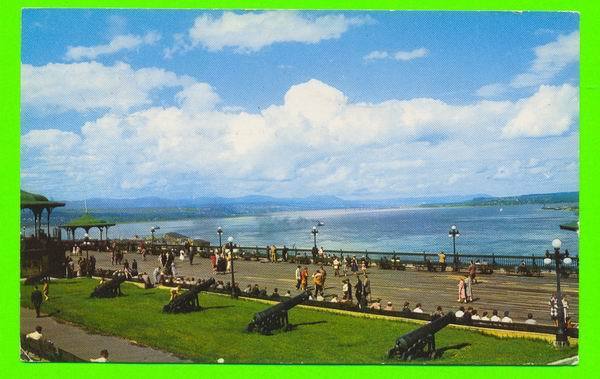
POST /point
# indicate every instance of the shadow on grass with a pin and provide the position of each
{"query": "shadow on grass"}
(440, 352)
(51, 314)
(294, 326)
(218, 307)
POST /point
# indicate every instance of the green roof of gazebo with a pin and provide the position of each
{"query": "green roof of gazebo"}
(87, 221)
(29, 200)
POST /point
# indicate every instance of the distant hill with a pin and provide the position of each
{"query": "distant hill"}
(542, 198)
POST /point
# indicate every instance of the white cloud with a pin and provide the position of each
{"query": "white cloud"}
(549, 112)
(316, 141)
(376, 55)
(398, 55)
(118, 43)
(492, 90)
(87, 86)
(51, 138)
(409, 55)
(251, 32)
(550, 60)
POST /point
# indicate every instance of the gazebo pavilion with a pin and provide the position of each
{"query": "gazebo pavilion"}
(86, 222)
(37, 204)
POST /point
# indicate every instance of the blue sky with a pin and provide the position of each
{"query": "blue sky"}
(126, 103)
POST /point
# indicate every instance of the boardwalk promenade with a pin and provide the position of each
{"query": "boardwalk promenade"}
(518, 294)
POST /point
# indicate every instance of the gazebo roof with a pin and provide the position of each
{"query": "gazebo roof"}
(87, 221)
(33, 200)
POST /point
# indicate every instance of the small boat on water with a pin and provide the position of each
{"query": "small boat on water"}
(320, 223)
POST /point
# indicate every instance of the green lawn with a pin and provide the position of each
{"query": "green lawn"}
(218, 331)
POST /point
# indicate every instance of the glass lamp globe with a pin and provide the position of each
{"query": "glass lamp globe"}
(453, 227)
(556, 243)
(547, 261)
(230, 239)
(567, 261)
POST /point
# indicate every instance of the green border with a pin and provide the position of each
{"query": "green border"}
(10, 20)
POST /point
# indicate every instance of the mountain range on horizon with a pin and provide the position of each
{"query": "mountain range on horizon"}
(310, 202)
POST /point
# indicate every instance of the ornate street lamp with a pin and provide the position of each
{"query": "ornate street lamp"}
(152, 230)
(454, 233)
(314, 232)
(230, 247)
(220, 232)
(86, 244)
(559, 259)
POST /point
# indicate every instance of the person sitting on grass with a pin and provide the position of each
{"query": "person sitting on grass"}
(275, 294)
(484, 316)
(418, 308)
(506, 317)
(495, 317)
(375, 305)
(460, 312)
(263, 292)
(530, 319)
(36, 334)
(388, 306)
(467, 317)
(437, 314)
(255, 290)
(103, 357)
(174, 292)
(406, 307)
(474, 315)
(334, 299)
(248, 289)
(288, 294)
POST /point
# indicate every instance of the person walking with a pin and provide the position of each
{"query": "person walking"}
(36, 300)
(468, 289)
(336, 266)
(298, 277)
(442, 261)
(553, 303)
(461, 291)
(367, 288)
(304, 278)
(284, 253)
(46, 289)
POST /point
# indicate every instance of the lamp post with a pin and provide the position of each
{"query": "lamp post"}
(86, 243)
(559, 259)
(152, 230)
(314, 232)
(454, 233)
(230, 247)
(220, 232)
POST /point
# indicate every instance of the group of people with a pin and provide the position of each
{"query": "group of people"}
(220, 260)
(82, 267)
(37, 335)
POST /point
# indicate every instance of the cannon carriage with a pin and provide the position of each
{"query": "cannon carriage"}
(188, 301)
(110, 288)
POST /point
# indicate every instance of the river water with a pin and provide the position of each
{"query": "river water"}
(510, 230)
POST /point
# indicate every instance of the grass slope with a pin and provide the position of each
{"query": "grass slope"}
(218, 331)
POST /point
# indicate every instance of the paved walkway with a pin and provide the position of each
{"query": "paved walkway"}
(77, 341)
(517, 294)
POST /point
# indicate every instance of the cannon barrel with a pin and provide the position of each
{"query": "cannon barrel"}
(276, 316)
(409, 339)
(283, 306)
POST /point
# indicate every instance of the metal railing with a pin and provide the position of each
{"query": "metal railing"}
(533, 263)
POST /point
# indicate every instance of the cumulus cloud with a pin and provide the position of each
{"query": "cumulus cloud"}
(118, 43)
(316, 141)
(398, 55)
(550, 60)
(86, 86)
(253, 31)
(409, 55)
(492, 90)
(376, 54)
(549, 112)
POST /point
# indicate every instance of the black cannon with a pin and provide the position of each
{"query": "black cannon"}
(420, 343)
(110, 288)
(275, 317)
(188, 301)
